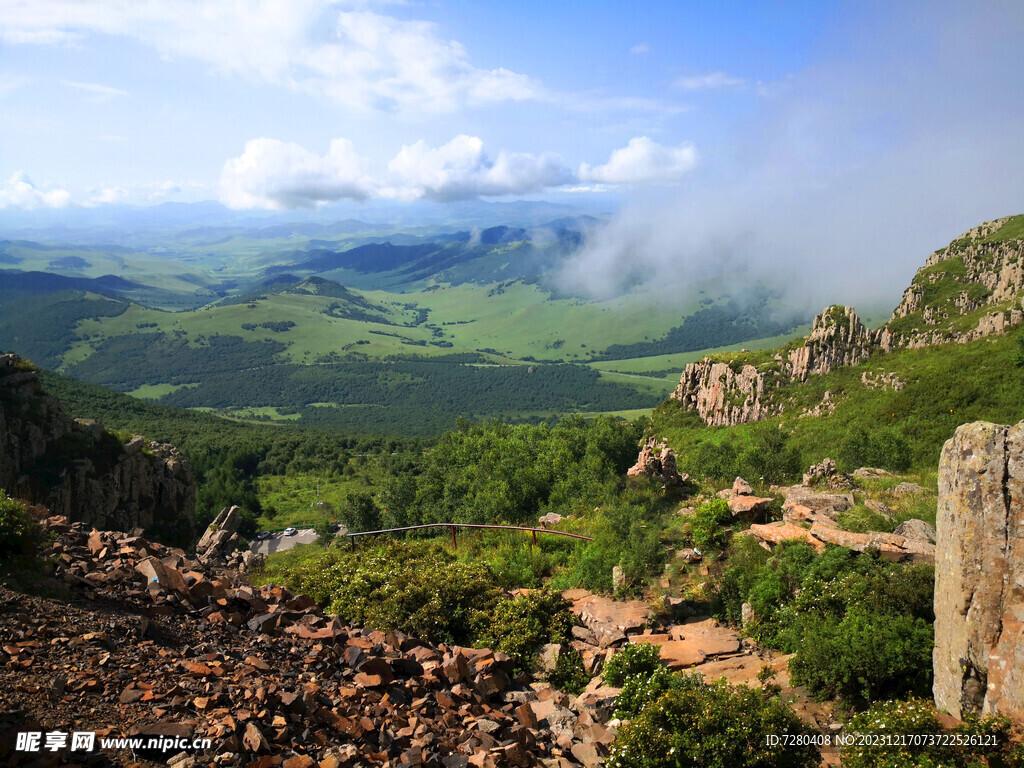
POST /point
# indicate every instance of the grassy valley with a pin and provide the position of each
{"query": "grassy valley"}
(333, 326)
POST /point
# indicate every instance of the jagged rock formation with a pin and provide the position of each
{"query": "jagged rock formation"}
(221, 545)
(657, 460)
(947, 299)
(971, 289)
(726, 394)
(838, 338)
(79, 470)
(722, 395)
(979, 573)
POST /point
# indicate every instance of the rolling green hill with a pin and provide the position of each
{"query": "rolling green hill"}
(347, 326)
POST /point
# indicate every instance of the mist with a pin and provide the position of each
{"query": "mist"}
(848, 175)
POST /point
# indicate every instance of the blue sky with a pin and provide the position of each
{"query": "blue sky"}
(849, 118)
(147, 101)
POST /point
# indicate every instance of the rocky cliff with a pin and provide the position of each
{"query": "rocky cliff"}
(78, 469)
(979, 572)
(968, 290)
(726, 394)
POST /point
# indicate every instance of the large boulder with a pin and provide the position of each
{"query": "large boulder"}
(221, 537)
(979, 573)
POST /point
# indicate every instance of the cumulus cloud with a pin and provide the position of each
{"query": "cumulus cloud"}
(642, 160)
(358, 58)
(707, 82)
(275, 174)
(460, 169)
(21, 192)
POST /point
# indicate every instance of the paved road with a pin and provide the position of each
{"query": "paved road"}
(278, 542)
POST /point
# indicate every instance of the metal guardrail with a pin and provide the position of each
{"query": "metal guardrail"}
(352, 536)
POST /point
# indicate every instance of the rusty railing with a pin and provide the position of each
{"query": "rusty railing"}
(454, 526)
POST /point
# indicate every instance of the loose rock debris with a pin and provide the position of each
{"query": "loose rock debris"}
(145, 640)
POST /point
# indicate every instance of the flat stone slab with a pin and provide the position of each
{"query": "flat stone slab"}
(823, 503)
(603, 613)
(748, 505)
(775, 533)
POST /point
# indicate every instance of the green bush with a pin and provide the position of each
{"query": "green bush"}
(417, 587)
(706, 524)
(770, 457)
(359, 512)
(634, 660)
(640, 691)
(918, 716)
(625, 535)
(865, 656)
(569, 674)
(885, 448)
(20, 535)
(324, 529)
(860, 627)
(717, 725)
(520, 626)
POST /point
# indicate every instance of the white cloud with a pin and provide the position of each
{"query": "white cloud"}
(460, 169)
(20, 192)
(276, 174)
(642, 160)
(96, 92)
(640, 48)
(710, 81)
(107, 195)
(358, 58)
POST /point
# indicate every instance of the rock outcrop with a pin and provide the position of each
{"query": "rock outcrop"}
(838, 338)
(657, 460)
(723, 394)
(221, 544)
(949, 295)
(78, 469)
(726, 394)
(979, 574)
(971, 289)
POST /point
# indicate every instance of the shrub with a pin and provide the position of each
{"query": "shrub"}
(706, 524)
(359, 512)
(865, 656)
(416, 587)
(884, 448)
(640, 691)
(569, 675)
(860, 627)
(20, 535)
(770, 457)
(625, 535)
(717, 725)
(635, 660)
(918, 716)
(521, 625)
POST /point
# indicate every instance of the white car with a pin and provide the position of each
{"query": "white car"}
(290, 531)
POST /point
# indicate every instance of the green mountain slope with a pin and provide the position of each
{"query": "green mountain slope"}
(952, 353)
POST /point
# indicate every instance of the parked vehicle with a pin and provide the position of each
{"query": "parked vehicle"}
(290, 531)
